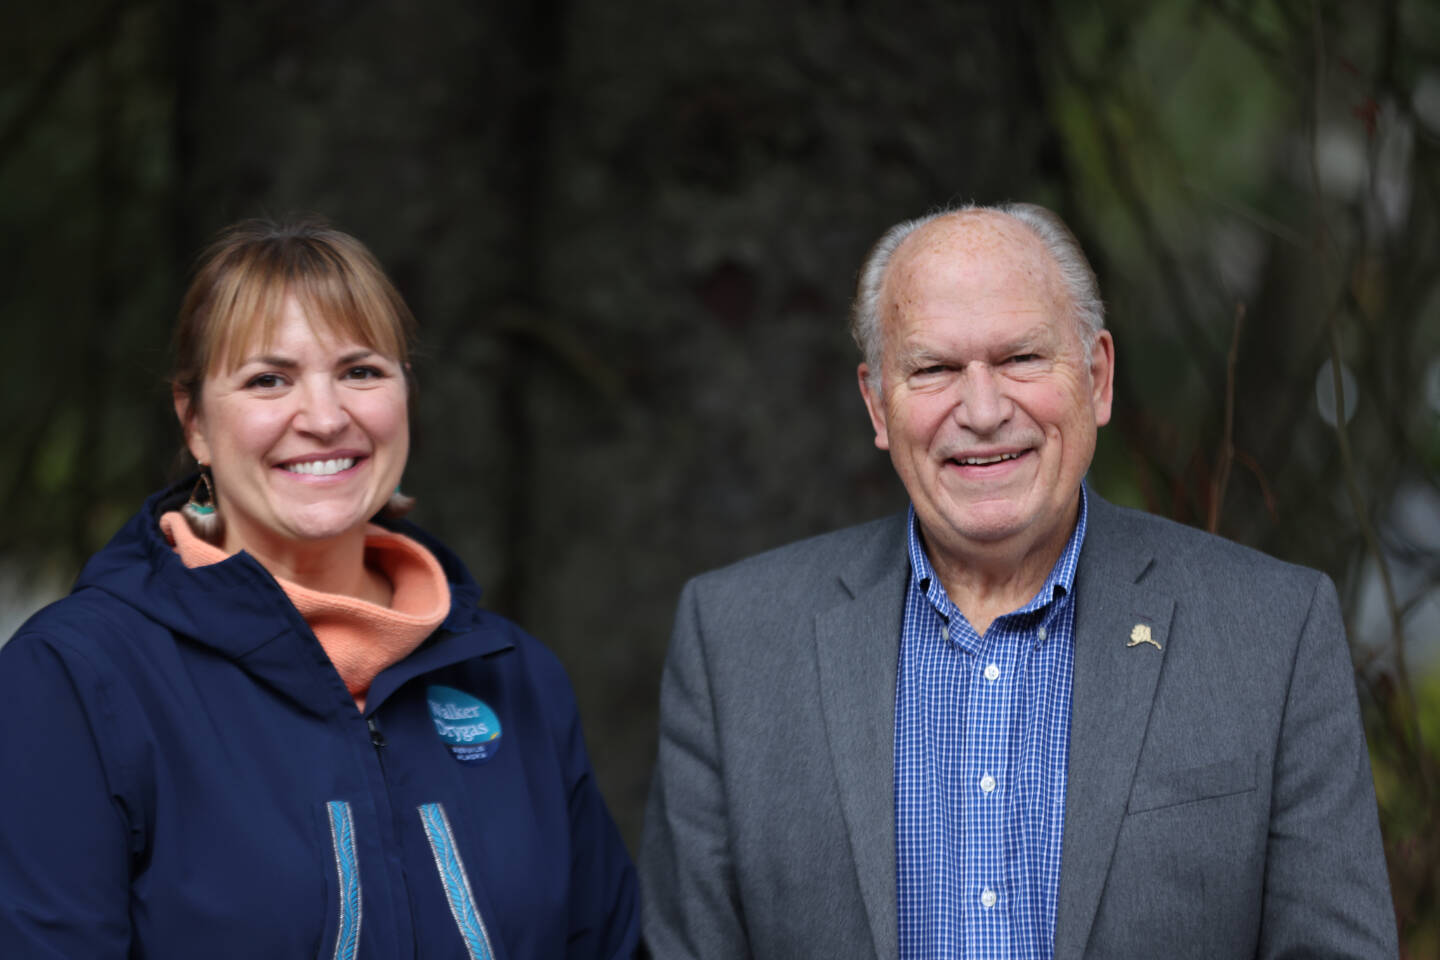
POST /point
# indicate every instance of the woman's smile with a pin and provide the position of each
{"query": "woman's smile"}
(323, 467)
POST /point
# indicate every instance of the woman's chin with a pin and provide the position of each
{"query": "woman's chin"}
(318, 525)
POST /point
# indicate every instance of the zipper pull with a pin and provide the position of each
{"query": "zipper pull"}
(376, 737)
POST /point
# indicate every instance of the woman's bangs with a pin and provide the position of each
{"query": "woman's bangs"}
(247, 311)
(346, 309)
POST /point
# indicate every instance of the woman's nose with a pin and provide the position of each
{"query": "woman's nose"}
(322, 411)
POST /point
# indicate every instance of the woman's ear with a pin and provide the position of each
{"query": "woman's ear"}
(190, 424)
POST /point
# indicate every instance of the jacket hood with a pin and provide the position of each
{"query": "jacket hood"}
(236, 608)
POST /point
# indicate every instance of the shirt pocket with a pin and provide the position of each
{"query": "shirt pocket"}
(1170, 788)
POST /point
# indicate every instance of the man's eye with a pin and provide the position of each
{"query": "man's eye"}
(1024, 357)
(930, 370)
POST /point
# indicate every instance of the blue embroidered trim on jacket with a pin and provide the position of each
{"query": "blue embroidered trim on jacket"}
(347, 870)
(457, 884)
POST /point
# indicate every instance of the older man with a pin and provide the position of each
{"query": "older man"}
(1016, 721)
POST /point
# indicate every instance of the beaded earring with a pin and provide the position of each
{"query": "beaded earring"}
(200, 512)
(398, 505)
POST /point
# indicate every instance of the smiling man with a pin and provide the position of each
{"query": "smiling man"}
(1015, 721)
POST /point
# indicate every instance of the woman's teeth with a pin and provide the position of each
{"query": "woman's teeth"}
(321, 468)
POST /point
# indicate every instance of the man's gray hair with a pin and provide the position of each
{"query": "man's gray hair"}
(1075, 273)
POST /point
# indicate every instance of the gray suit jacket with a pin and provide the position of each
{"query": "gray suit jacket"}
(1219, 801)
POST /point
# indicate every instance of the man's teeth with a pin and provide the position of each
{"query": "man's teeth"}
(982, 461)
(321, 468)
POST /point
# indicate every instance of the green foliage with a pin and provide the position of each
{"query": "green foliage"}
(57, 459)
(1258, 180)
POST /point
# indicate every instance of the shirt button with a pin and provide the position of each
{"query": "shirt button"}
(945, 634)
(992, 672)
(987, 898)
(1040, 633)
(987, 783)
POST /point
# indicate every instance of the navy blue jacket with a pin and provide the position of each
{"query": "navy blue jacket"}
(183, 774)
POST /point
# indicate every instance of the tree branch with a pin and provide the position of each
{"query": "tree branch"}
(1226, 456)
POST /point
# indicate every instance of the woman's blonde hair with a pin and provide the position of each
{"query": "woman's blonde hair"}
(237, 296)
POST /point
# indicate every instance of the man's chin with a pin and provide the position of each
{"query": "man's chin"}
(981, 525)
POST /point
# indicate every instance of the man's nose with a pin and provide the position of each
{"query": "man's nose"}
(322, 411)
(982, 406)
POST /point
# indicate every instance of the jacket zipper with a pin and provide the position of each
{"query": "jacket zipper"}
(378, 743)
(461, 895)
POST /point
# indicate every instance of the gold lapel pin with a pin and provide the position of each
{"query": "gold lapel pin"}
(1141, 634)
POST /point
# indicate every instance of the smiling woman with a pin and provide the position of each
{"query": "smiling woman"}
(237, 736)
(306, 438)
(272, 317)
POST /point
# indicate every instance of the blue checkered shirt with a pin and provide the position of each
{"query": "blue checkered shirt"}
(982, 733)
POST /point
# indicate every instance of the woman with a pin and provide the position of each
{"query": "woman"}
(263, 725)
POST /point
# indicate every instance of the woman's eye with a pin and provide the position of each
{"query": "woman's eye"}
(264, 381)
(363, 373)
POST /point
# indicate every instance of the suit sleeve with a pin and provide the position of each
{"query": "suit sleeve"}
(1326, 891)
(690, 901)
(64, 839)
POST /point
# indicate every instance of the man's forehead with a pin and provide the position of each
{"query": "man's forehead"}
(974, 254)
(1022, 332)
(982, 239)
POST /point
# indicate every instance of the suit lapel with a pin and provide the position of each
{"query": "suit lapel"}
(1114, 687)
(857, 647)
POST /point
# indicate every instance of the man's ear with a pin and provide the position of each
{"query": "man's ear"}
(1102, 376)
(875, 404)
(190, 425)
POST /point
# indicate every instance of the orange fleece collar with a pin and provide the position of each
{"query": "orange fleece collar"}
(360, 638)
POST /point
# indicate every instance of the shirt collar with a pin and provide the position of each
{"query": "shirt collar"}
(1058, 585)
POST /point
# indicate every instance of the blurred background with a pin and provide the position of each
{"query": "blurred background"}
(630, 230)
